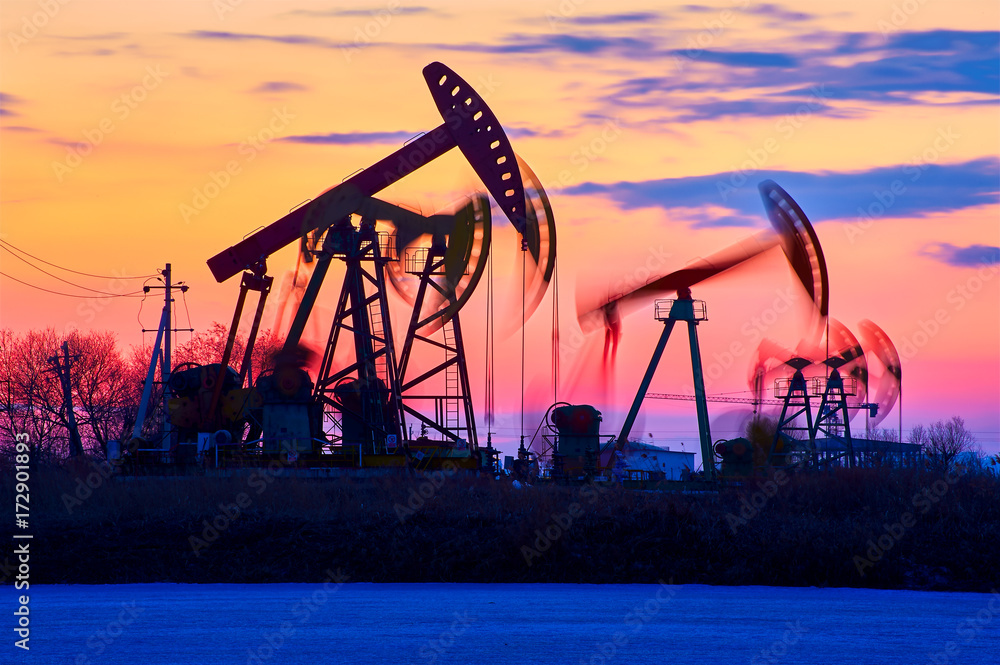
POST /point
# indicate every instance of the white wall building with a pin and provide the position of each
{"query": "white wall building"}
(639, 456)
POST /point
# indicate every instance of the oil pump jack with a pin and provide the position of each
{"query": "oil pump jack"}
(791, 231)
(372, 396)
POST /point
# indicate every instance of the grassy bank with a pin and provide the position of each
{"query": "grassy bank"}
(903, 530)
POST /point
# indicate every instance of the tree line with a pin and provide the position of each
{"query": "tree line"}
(106, 382)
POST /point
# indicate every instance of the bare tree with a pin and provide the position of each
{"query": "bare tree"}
(106, 392)
(207, 347)
(105, 389)
(31, 398)
(918, 435)
(878, 453)
(945, 441)
(886, 434)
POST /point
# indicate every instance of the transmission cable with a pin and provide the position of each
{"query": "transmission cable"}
(75, 272)
(70, 295)
(64, 281)
(524, 247)
(488, 389)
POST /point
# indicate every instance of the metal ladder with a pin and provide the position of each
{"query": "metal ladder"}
(451, 379)
(378, 342)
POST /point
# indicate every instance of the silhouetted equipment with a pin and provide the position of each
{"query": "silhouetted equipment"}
(887, 390)
(443, 289)
(194, 388)
(367, 397)
(796, 395)
(832, 418)
(736, 456)
(684, 308)
(577, 445)
(160, 354)
(371, 397)
(792, 231)
(288, 416)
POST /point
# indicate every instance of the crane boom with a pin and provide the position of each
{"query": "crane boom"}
(711, 398)
(870, 406)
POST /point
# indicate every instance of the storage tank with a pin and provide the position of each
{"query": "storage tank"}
(578, 444)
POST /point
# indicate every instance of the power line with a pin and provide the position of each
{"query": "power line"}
(187, 312)
(138, 316)
(64, 281)
(75, 272)
(69, 295)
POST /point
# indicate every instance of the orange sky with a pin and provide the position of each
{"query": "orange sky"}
(600, 98)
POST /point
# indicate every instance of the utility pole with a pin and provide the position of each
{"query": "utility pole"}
(62, 367)
(166, 366)
(166, 328)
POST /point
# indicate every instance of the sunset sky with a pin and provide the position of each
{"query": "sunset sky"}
(649, 124)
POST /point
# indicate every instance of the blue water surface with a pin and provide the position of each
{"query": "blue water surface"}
(161, 624)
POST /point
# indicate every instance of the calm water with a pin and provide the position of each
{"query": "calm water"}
(157, 624)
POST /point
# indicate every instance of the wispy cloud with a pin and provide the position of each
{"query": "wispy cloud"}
(351, 138)
(906, 67)
(374, 11)
(95, 37)
(963, 257)
(713, 110)
(279, 86)
(743, 59)
(295, 40)
(6, 101)
(558, 43)
(99, 52)
(612, 19)
(823, 195)
(861, 67)
(778, 13)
